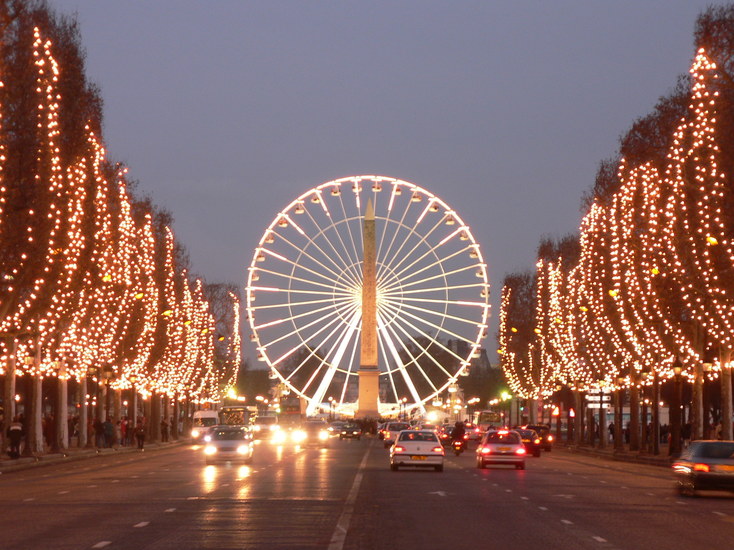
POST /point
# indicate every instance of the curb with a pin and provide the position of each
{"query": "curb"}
(24, 463)
(662, 461)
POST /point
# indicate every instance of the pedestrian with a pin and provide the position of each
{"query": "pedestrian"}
(108, 428)
(164, 430)
(611, 431)
(15, 434)
(123, 431)
(140, 434)
(118, 434)
(686, 433)
(98, 432)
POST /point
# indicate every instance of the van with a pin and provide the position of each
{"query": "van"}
(201, 423)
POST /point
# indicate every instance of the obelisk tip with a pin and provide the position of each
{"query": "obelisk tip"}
(370, 211)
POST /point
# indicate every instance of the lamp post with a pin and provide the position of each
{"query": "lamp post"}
(132, 413)
(707, 366)
(618, 408)
(675, 410)
(403, 412)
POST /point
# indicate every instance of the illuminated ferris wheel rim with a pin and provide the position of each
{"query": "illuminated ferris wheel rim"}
(352, 273)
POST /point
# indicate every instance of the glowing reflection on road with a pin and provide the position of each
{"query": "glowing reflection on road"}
(209, 478)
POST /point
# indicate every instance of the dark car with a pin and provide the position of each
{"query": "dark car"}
(705, 465)
(546, 437)
(531, 440)
(311, 432)
(350, 431)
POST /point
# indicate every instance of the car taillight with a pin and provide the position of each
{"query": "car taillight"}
(701, 468)
(537, 441)
(520, 451)
(486, 450)
(550, 438)
(398, 449)
(437, 450)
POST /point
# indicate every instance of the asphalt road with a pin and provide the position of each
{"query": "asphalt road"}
(345, 497)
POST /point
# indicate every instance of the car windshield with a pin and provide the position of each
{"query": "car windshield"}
(228, 435)
(715, 450)
(417, 436)
(398, 426)
(206, 422)
(497, 437)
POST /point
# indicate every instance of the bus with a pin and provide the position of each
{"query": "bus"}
(235, 415)
(487, 419)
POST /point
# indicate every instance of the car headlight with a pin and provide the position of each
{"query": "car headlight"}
(279, 437)
(207, 438)
(194, 433)
(323, 435)
(298, 436)
(210, 450)
(257, 427)
(274, 428)
(243, 449)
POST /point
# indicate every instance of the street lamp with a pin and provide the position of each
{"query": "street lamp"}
(403, 411)
(707, 366)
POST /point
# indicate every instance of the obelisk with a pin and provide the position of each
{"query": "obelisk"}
(369, 372)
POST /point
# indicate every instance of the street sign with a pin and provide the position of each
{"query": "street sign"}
(597, 397)
(597, 405)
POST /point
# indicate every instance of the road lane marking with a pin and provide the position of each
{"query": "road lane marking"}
(523, 498)
(169, 510)
(543, 508)
(28, 499)
(115, 481)
(63, 492)
(142, 524)
(602, 481)
(566, 522)
(599, 539)
(650, 494)
(102, 544)
(722, 514)
(342, 526)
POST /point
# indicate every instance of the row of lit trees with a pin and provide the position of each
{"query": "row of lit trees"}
(644, 294)
(91, 280)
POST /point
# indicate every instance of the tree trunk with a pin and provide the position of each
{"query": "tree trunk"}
(83, 412)
(9, 390)
(62, 410)
(634, 416)
(697, 402)
(726, 397)
(655, 435)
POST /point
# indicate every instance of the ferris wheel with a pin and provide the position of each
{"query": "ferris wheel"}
(304, 294)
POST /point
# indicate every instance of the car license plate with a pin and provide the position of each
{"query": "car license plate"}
(503, 449)
(417, 457)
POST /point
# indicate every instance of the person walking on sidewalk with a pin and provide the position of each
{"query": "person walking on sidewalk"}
(140, 434)
(15, 434)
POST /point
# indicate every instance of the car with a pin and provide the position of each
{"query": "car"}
(350, 431)
(335, 428)
(546, 437)
(201, 424)
(705, 465)
(531, 440)
(444, 435)
(229, 443)
(501, 447)
(263, 427)
(391, 431)
(473, 433)
(420, 448)
(311, 432)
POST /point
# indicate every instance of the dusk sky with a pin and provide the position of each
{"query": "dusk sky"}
(226, 111)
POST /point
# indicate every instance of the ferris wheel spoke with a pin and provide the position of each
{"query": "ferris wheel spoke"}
(396, 306)
(290, 305)
(400, 322)
(438, 328)
(396, 357)
(335, 318)
(289, 277)
(293, 317)
(421, 240)
(439, 261)
(386, 361)
(349, 232)
(387, 288)
(345, 338)
(348, 264)
(302, 252)
(444, 288)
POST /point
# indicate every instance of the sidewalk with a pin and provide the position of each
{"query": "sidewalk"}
(73, 454)
(609, 453)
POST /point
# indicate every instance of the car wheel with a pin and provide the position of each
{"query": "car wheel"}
(520, 466)
(394, 467)
(686, 489)
(439, 468)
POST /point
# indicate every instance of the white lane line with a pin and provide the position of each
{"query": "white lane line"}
(508, 490)
(650, 494)
(28, 499)
(599, 539)
(342, 526)
(192, 498)
(623, 487)
(721, 514)
(142, 524)
(102, 544)
(602, 481)
(566, 522)
(115, 481)
(63, 492)
(680, 502)
(543, 508)
(523, 498)
(91, 486)
(169, 510)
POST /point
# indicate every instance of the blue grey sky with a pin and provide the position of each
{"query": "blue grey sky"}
(225, 111)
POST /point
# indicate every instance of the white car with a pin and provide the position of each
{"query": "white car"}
(501, 447)
(391, 431)
(419, 448)
(229, 443)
